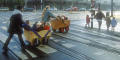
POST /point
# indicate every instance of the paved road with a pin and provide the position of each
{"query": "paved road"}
(78, 44)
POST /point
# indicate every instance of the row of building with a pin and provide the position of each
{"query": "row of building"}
(60, 4)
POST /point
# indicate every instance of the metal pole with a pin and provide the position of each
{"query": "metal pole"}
(41, 4)
(111, 8)
(26, 3)
(92, 11)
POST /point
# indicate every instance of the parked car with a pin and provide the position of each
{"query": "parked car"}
(82, 9)
(72, 9)
(28, 9)
(53, 9)
(4, 9)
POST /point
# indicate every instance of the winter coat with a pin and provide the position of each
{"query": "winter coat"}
(47, 16)
(15, 26)
(113, 22)
(108, 21)
(99, 16)
(87, 19)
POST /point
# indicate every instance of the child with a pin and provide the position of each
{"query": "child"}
(38, 26)
(113, 23)
(87, 20)
(27, 28)
(47, 26)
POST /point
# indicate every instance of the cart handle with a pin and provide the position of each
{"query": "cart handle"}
(26, 25)
(47, 33)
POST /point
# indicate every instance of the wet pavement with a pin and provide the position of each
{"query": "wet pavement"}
(79, 43)
(8, 56)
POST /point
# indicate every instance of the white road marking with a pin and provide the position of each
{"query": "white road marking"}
(98, 33)
(51, 38)
(4, 28)
(4, 22)
(3, 38)
(99, 53)
(15, 47)
(56, 40)
(68, 45)
(74, 38)
(63, 41)
(33, 55)
(46, 49)
(101, 40)
(21, 55)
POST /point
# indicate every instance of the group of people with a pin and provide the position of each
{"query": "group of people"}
(17, 24)
(99, 16)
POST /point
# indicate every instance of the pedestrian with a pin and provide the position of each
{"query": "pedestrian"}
(46, 15)
(87, 21)
(108, 20)
(113, 24)
(99, 15)
(15, 27)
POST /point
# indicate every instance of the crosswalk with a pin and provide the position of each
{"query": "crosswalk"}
(17, 49)
(88, 37)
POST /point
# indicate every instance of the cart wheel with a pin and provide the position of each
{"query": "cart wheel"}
(45, 41)
(54, 30)
(67, 29)
(36, 42)
(61, 30)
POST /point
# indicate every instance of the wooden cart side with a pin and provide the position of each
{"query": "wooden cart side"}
(56, 24)
(30, 36)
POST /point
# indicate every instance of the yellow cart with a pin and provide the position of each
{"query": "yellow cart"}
(60, 25)
(31, 36)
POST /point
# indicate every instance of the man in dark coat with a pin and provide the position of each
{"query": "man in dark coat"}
(15, 27)
(99, 17)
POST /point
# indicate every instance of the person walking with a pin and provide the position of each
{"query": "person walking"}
(99, 15)
(15, 27)
(87, 21)
(108, 20)
(46, 15)
(113, 23)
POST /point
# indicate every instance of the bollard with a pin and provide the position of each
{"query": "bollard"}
(92, 21)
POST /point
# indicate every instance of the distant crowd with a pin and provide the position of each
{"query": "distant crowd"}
(99, 17)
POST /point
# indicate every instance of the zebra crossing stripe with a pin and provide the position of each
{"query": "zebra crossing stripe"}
(46, 49)
(100, 40)
(13, 49)
(68, 45)
(21, 55)
(74, 38)
(33, 55)
(4, 28)
(3, 37)
(97, 33)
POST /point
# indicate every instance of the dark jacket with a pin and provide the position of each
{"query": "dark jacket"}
(15, 26)
(100, 15)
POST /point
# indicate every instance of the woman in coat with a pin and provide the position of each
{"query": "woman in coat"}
(47, 14)
(15, 27)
